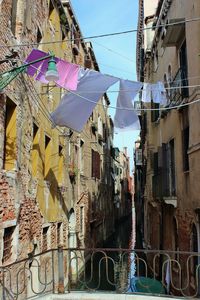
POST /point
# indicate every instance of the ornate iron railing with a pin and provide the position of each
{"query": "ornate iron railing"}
(179, 87)
(65, 270)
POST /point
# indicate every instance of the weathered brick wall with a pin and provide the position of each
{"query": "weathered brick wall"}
(7, 201)
(16, 201)
(84, 239)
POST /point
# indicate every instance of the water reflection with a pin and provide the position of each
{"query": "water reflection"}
(113, 270)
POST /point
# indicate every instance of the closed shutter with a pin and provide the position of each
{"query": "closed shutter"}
(172, 168)
(97, 165)
(185, 142)
(93, 163)
(165, 170)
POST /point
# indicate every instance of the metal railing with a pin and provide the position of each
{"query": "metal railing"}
(120, 270)
(179, 87)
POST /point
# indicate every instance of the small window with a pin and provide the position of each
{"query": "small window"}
(47, 163)
(185, 137)
(59, 226)
(45, 238)
(51, 8)
(60, 164)
(81, 156)
(82, 219)
(39, 36)
(7, 243)
(155, 114)
(95, 164)
(35, 150)
(14, 16)
(10, 135)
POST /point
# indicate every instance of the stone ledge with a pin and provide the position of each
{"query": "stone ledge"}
(101, 296)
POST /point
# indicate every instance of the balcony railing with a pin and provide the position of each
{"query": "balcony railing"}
(178, 88)
(64, 270)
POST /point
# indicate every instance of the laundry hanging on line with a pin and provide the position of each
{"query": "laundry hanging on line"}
(74, 110)
(127, 119)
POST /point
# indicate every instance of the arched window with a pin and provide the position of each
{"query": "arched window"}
(166, 84)
(169, 76)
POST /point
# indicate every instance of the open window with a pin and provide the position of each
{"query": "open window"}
(10, 141)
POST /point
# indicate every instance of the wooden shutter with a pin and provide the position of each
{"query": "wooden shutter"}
(185, 143)
(165, 171)
(97, 165)
(93, 163)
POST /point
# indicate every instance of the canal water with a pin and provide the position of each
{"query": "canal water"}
(111, 270)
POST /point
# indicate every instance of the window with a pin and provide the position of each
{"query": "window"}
(39, 36)
(155, 114)
(60, 164)
(7, 243)
(28, 12)
(155, 60)
(35, 150)
(185, 138)
(82, 219)
(100, 126)
(59, 227)
(51, 8)
(81, 156)
(184, 69)
(168, 169)
(156, 176)
(10, 135)
(47, 158)
(14, 15)
(95, 164)
(45, 238)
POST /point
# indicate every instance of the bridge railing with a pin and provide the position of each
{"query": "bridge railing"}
(121, 270)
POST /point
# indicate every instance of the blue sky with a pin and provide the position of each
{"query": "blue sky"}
(104, 16)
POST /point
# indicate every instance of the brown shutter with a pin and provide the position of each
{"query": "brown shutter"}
(93, 163)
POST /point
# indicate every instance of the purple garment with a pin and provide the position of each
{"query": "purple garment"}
(34, 55)
(68, 73)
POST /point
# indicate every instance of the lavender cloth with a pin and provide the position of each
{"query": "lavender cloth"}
(34, 55)
(73, 110)
(68, 73)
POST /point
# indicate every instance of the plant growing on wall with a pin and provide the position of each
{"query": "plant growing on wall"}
(72, 170)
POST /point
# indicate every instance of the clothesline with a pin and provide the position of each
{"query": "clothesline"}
(73, 112)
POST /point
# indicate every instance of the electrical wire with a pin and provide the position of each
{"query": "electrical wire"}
(103, 35)
(117, 91)
(113, 51)
(120, 108)
(135, 109)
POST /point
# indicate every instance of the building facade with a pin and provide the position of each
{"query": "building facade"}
(123, 189)
(55, 184)
(170, 138)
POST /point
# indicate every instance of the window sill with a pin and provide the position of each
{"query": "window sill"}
(172, 200)
(186, 172)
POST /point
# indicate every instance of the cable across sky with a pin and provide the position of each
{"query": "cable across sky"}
(101, 35)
